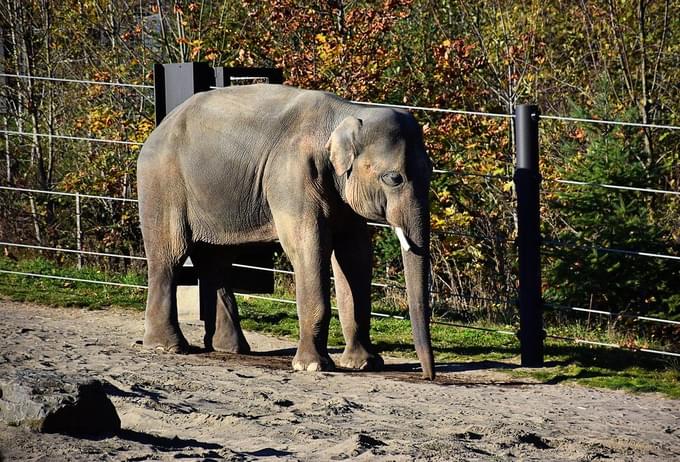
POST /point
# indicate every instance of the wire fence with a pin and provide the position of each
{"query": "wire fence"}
(599, 249)
(396, 106)
(637, 253)
(392, 286)
(71, 138)
(611, 314)
(613, 186)
(635, 317)
(610, 122)
(80, 81)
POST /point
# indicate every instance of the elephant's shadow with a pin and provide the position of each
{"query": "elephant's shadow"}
(281, 358)
(287, 352)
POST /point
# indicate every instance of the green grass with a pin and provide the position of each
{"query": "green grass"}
(565, 362)
(392, 336)
(607, 368)
(69, 293)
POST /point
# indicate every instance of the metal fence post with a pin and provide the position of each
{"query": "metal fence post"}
(79, 239)
(176, 82)
(527, 183)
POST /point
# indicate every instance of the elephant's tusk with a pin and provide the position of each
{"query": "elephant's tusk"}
(402, 239)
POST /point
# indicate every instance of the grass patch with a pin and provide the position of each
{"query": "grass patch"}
(607, 368)
(69, 293)
(565, 362)
(391, 336)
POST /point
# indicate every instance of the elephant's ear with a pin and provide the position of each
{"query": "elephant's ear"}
(343, 144)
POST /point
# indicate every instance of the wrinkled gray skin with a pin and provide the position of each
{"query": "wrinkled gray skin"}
(258, 163)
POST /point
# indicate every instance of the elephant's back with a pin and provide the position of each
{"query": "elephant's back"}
(273, 107)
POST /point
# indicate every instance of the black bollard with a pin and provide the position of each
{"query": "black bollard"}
(527, 183)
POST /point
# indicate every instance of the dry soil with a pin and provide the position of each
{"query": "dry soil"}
(212, 406)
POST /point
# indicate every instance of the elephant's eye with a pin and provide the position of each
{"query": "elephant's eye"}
(392, 179)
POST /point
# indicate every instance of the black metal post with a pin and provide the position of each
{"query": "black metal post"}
(175, 83)
(527, 184)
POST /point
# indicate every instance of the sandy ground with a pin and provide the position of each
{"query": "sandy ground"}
(211, 406)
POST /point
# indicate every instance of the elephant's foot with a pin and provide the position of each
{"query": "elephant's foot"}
(169, 342)
(359, 358)
(312, 362)
(230, 344)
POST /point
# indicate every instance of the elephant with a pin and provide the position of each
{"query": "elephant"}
(259, 163)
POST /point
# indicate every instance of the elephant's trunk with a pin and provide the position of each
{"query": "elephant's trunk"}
(417, 269)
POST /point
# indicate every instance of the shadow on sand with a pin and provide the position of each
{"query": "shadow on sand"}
(162, 442)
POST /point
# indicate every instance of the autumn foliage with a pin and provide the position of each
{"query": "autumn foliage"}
(603, 60)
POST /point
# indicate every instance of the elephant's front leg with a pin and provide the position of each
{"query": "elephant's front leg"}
(353, 270)
(309, 251)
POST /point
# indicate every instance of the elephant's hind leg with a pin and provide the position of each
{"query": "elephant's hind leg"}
(219, 309)
(165, 240)
(161, 327)
(228, 334)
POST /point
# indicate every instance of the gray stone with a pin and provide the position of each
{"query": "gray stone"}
(50, 402)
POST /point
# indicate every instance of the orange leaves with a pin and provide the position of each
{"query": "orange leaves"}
(454, 59)
(100, 119)
(212, 55)
(337, 46)
(101, 76)
(579, 134)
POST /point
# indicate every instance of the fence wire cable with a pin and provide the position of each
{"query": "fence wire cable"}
(61, 193)
(398, 106)
(64, 278)
(388, 285)
(480, 175)
(383, 315)
(262, 268)
(636, 253)
(73, 138)
(246, 296)
(136, 286)
(123, 199)
(293, 302)
(613, 186)
(613, 345)
(87, 82)
(134, 257)
(434, 109)
(81, 252)
(634, 317)
(609, 122)
(464, 326)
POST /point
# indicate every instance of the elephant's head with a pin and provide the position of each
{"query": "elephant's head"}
(381, 157)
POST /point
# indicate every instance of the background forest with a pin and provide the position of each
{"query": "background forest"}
(601, 59)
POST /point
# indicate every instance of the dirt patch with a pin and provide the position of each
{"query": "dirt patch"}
(214, 406)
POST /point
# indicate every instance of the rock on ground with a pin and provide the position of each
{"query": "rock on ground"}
(50, 402)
